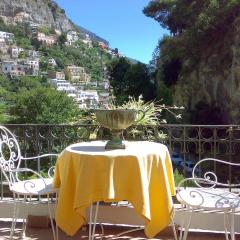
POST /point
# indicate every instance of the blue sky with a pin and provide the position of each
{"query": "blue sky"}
(121, 23)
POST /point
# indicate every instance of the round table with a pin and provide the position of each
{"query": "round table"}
(141, 174)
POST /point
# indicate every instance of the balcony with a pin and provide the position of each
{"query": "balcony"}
(189, 142)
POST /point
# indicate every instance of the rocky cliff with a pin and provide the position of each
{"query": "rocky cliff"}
(215, 81)
(44, 12)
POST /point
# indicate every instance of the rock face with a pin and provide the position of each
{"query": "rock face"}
(216, 79)
(43, 12)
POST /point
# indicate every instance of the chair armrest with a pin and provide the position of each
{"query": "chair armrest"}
(51, 172)
(40, 156)
(19, 170)
(210, 175)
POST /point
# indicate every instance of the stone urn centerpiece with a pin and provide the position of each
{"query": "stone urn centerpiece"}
(116, 120)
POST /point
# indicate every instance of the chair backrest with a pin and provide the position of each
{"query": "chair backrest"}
(208, 176)
(10, 154)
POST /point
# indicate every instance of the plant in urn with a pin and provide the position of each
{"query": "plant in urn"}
(116, 120)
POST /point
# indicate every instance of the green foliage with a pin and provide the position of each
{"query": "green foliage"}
(18, 84)
(44, 105)
(149, 116)
(30, 99)
(62, 39)
(117, 70)
(196, 26)
(208, 114)
(36, 43)
(194, 16)
(24, 42)
(198, 29)
(149, 113)
(46, 30)
(92, 59)
(129, 79)
(178, 177)
(20, 34)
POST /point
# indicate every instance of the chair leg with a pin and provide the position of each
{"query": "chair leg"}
(186, 224)
(232, 224)
(174, 230)
(15, 214)
(51, 218)
(229, 224)
(92, 231)
(55, 205)
(26, 208)
(226, 224)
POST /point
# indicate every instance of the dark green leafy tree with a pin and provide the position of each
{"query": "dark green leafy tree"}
(117, 70)
(205, 113)
(137, 82)
(196, 26)
(179, 16)
(62, 39)
(18, 84)
(196, 30)
(36, 43)
(44, 105)
(129, 79)
(4, 117)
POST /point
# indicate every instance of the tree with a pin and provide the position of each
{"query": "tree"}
(62, 39)
(117, 70)
(4, 117)
(137, 82)
(130, 80)
(194, 24)
(197, 28)
(205, 113)
(36, 43)
(44, 105)
(179, 16)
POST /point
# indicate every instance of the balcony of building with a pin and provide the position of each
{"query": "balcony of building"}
(186, 143)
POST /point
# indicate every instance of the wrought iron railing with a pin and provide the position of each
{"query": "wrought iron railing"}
(187, 143)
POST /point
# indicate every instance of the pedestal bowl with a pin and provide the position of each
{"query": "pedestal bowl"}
(116, 120)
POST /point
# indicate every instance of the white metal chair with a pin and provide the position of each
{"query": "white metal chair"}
(207, 193)
(24, 190)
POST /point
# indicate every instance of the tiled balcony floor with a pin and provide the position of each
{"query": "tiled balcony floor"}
(109, 233)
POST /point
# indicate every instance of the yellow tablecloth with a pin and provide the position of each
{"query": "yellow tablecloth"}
(141, 174)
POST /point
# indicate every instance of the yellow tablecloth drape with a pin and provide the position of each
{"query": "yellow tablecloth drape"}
(141, 174)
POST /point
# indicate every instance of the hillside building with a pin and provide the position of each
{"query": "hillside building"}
(87, 99)
(56, 75)
(12, 68)
(15, 51)
(87, 41)
(33, 54)
(64, 86)
(72, 36)
(3, 47)
(102, 45)
(52, 62)
(32, 66)
(7, 36)
(45, 39)
(76, 74)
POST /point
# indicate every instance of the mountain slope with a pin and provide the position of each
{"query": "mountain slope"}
(43, 12)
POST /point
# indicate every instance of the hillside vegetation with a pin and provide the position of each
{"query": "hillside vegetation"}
(198, 64)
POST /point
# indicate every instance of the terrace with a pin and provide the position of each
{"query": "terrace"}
(190, 142)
